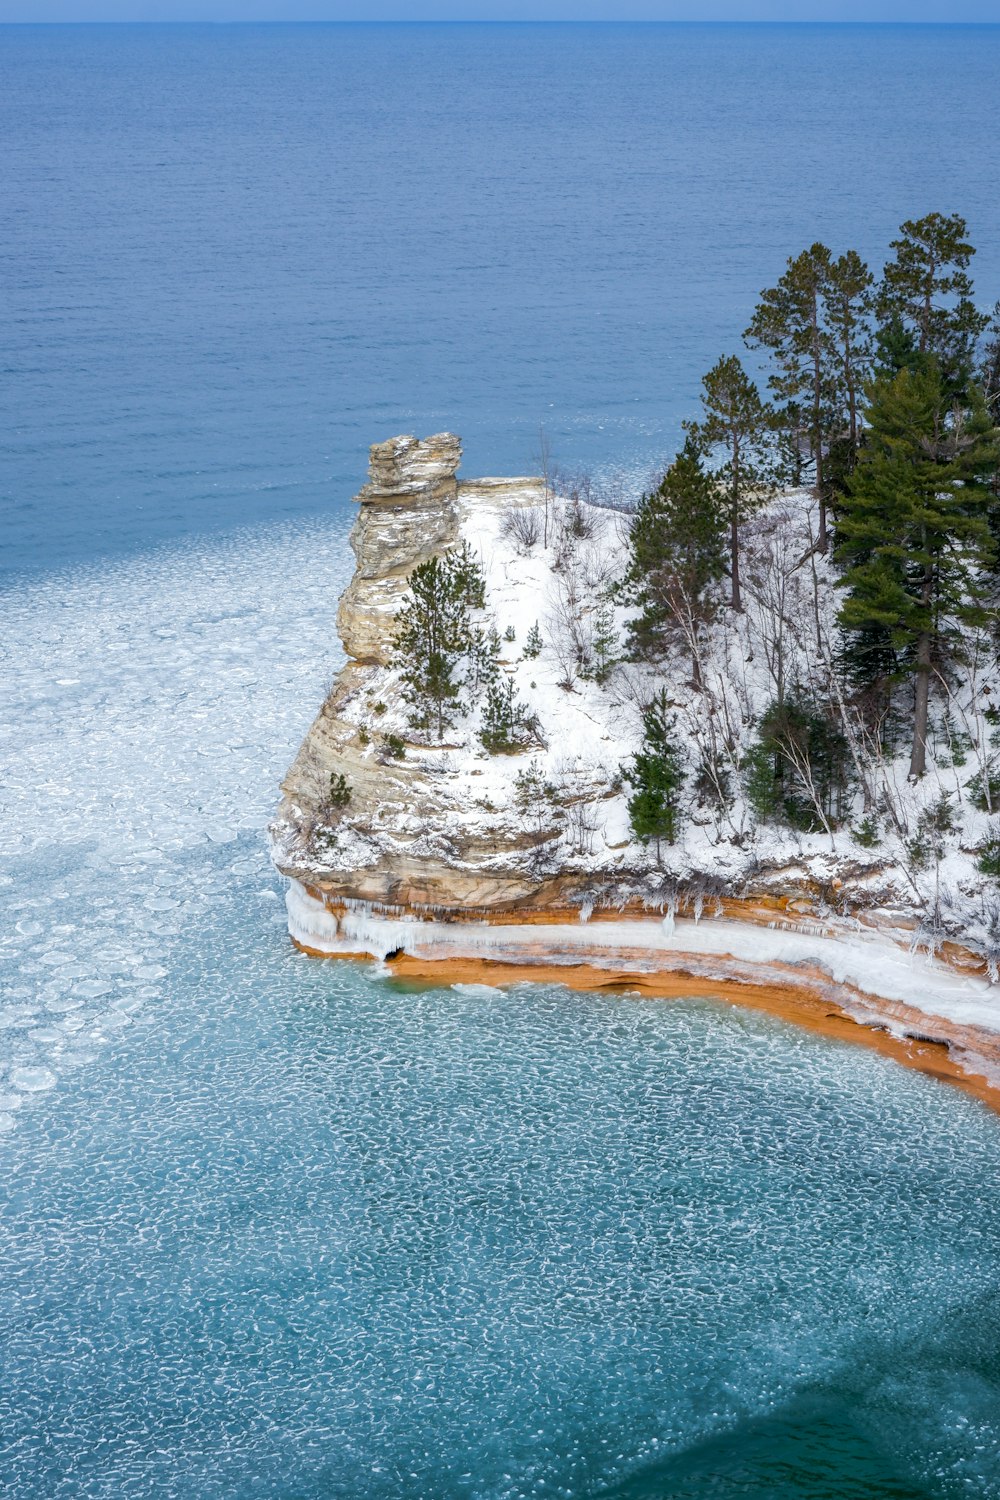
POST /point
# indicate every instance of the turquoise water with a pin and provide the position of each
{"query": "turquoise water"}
(235, 256)
(277, 1227)
(315, 1235)
(281, 1228)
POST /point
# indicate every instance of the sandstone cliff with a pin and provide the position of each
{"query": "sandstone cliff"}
(452, 827)
(417, 830)
(444, 851)
(449, 826)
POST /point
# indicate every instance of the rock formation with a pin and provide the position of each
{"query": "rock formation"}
(408, 839)
(396, 844)
(409, 512)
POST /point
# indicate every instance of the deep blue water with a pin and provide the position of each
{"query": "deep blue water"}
(271, 1227)
(232, 257)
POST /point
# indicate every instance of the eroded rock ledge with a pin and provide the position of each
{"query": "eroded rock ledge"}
(433, 859)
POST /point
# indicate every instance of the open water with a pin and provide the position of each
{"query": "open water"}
(233, 257)
(281, 1228)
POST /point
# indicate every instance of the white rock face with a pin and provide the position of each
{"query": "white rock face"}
(408, 513)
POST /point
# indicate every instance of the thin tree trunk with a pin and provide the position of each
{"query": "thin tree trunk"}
(821, 495)
(820, 487)
(734, 529)
(918, 755)
(734, 547)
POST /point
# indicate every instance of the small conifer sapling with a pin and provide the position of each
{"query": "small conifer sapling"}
(657, 777)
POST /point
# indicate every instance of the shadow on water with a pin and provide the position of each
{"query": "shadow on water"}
(813, 1449)
(853, 1440)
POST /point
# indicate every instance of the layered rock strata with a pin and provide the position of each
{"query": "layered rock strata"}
(409, 512)
(408, 839)
(438, 856)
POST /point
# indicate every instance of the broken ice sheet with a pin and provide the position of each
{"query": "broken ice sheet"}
(144, 765)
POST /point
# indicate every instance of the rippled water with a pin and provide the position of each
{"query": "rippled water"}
(277, 1227)
(273, 1227)
(234, 256)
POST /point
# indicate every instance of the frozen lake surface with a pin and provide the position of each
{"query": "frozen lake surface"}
(271, 1227)
(277, 1227)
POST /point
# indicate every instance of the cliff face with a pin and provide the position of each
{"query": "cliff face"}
(407, 837)
(446, 852)
(450, 826)
(409, 512)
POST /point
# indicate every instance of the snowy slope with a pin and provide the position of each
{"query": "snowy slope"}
(456, 807)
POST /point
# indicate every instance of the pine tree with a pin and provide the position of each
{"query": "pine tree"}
(432, 636)
(928, 289)
(506, 724)
(657, 774)
(483, 651)
(797, 771)
(605, 640)
(340, 790)
(789, 321)
(533, 643)
(914, 527)
(848, 302)
(738, 426)
(896, 348)
(467, 574)
(677, 549)
(989, 375)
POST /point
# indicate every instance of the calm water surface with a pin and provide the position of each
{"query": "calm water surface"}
(233, 257)
(272, 1227)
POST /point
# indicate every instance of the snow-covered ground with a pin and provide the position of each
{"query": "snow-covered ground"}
(590, 724)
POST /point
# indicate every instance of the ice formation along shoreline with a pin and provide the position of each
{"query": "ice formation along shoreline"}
(902, 1002)
(436, 862)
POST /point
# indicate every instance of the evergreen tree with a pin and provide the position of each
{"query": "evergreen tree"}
(483, 651)
(533, 643)
(791, 442)
(467, 575)
(848, 302)
(928, 289)
(506, 724)
(990, 380)
(432, 636)
(339, 794)
(605, 640)
(914, 527)
(677, 547)
(989, 375)
(657, 774)
(738, 426)
(789, 321)
(896, 348)
(797, 770)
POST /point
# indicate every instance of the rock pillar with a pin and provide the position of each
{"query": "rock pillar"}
(408, 514)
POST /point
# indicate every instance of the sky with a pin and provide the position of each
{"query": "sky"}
(500, 10)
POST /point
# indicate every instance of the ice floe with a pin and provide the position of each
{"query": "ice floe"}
(138, 789)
